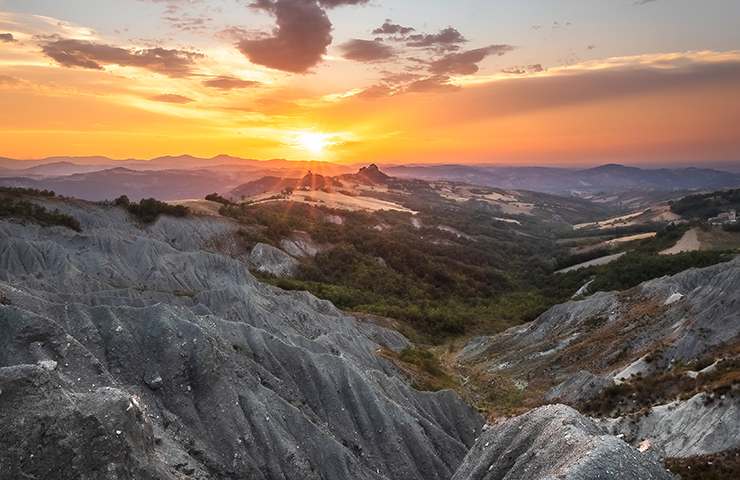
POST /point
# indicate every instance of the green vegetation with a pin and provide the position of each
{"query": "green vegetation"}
(32, 192)
(441, 284)
(637, 267)
(26, 210)
(215, 197)
(149, 209)
(642, 393)
(706, 205)
(423, 367)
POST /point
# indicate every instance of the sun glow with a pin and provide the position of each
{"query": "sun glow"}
(312, 142)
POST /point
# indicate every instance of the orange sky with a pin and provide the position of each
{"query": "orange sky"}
(651, 107)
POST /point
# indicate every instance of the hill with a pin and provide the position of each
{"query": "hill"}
(612, 179)
(153, 347)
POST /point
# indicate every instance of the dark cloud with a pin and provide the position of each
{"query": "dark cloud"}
(301, 35)
(466, 63)
(523, 69)
(390, 28)
(436, 83)
(339, 3)
(366, 50)
(520, 95)
(187, 22)
(399, 78)
(7, 37)
(299, 40)
(229, 83)
(84, 54)
(445, 40)
(400, 83)
(376, 91)
(643, 2)
(171, 98)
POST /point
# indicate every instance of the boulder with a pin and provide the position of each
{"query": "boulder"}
(268, 259)
(555, 442)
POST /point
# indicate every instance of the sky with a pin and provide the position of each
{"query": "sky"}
(549, 82)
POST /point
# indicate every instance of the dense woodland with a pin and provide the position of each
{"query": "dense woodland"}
(439, 283)
(706, 205)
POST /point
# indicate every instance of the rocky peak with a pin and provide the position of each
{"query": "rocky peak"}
(373, 173)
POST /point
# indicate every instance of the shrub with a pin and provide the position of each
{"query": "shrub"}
(215, 197)
(19, 208)
(149, 209)
(18, 191)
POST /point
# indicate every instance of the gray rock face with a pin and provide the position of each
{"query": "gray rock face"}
(555, 442)
(698, 426)
(609, 333)
(580, 387)
(584, 346)
(268, 259)
(173, 362)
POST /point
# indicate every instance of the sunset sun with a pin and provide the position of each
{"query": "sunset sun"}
(312, 142)
(370, 239)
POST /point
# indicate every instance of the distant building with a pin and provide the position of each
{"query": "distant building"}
(724, 218)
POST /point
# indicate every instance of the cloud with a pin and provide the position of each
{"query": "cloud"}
(229, 83)
(171, 98)
(300, 37)
(446, 40)
(596, 82)
(366, 50)
(436, 83)
(390, 28)
(85, 54)
(523, 69)
(643, 2)
(188, 23)
(338, 3)
(466, 63)
(7, 38)
(299, 40)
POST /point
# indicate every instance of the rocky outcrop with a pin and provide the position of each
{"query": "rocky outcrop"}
(580, 348)
(554, 442)
(268, 259)
(300, 245)
(701, 425)
(130, 352)
(582, 386)
(619, 334)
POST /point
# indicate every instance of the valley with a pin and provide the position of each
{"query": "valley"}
(467, 299)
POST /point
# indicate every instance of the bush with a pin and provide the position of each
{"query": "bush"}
(215, 197)
(24, 209)
(149, 209)
(18, 191)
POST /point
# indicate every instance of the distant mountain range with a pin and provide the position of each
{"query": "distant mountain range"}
(54, 166)
(185, 176)
(604, 179)
(165, 178)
